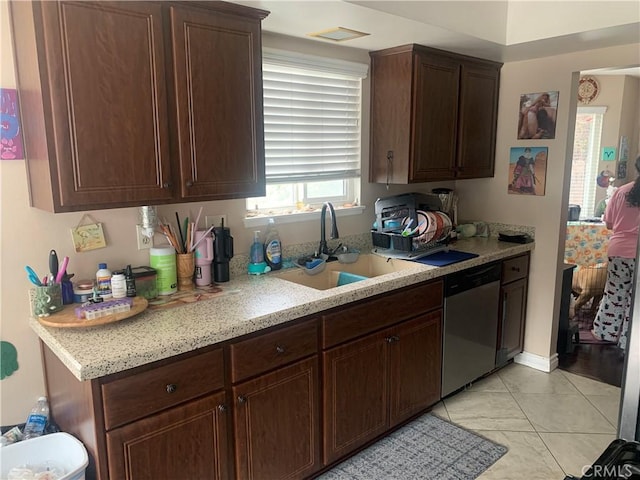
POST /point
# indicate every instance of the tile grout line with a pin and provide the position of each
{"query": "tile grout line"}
(534, 428)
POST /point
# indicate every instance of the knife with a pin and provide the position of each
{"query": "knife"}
(53, 263)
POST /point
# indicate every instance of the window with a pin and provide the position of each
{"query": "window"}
(586, 153)
(312, 131)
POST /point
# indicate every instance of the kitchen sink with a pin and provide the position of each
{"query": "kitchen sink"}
(367, 266)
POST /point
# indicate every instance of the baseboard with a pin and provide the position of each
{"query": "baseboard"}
(544, 364)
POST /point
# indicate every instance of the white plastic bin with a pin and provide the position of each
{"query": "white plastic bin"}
(60, 449)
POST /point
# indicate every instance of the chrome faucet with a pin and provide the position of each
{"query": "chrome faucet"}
(322, 248)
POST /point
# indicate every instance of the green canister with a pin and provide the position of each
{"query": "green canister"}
(163, 260)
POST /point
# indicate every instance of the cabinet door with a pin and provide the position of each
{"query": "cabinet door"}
(277, 420)
(217, 96)
(355, 394)
(478, 115)
(436, 83)
(107, 132)
(189, 441)
(514, 297)
(415, 365)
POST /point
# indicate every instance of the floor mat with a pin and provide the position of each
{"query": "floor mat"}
(426, 448)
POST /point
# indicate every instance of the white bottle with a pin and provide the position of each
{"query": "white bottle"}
(37, 419)
(103, 281)
(118, 285)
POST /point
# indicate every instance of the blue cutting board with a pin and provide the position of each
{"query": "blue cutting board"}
(440, 259)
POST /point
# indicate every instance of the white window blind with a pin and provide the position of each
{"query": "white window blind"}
(311, 118)
(586, 154)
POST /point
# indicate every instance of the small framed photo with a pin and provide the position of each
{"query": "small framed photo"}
(537, 116)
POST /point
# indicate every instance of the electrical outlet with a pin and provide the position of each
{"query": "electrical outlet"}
(215, 220)
(144, 242)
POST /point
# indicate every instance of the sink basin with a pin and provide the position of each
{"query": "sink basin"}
(367, 266)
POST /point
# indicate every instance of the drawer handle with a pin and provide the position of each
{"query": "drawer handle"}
(242, 399)
(222, 408)
(392, 338)
(515, 269)
(171, 387)
(280, 349)
(166, 185)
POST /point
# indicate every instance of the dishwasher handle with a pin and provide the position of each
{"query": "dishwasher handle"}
(474, 277)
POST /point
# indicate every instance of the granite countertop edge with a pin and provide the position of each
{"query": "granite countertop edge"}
(248, 304)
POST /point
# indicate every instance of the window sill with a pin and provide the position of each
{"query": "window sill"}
(263, 219)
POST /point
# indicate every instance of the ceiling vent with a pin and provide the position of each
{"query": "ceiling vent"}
(338, 34)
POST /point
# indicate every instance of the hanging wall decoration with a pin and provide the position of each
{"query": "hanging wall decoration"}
(10, 131)
(528, 170)
(537, 117)
(88, 236)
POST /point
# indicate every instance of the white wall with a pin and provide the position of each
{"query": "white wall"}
(488, 198)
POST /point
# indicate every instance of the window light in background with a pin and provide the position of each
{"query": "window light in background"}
(586, 158)
(312, 124)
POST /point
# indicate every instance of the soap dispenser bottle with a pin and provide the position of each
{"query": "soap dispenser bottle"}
(273, 247)
(257, 265)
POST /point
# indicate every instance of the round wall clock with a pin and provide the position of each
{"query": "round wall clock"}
(588, 89)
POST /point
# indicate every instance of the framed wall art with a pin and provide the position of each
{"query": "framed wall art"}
(537, 116)
(10, 133)
(527, 170)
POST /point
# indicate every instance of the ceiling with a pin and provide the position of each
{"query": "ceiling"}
(501, 30)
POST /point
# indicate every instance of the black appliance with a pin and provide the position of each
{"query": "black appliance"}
(222, 253)
(621, 460)
(574, 213)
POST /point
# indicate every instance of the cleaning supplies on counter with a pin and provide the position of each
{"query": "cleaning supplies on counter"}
(257, 265)
(273, 247)
(103, 281)
(163, 260)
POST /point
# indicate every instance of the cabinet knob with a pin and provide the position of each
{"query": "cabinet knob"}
(280, 349)
(242, 399)
(171, 387)
(515, 269)
(166, 185)
(189, 183)
(222, 408)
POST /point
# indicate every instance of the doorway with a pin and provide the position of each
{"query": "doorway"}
(593, 179)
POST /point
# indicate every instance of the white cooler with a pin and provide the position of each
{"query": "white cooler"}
(60, 450)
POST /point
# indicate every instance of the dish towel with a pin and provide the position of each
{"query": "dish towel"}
(440, 259)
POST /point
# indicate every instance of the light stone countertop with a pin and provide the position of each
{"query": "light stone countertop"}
(248, 304)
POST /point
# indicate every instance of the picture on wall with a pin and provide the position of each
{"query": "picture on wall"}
(527, 170)
(10, 133)
(537, 117)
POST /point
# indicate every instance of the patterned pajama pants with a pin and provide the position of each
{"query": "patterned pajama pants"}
(612, 321)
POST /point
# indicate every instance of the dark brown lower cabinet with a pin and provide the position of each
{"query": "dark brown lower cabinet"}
(189, 441)
(277, 422)
(374, 383)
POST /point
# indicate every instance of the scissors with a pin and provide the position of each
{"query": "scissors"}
(33, 276)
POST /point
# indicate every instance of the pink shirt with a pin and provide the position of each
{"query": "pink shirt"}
(624, 221)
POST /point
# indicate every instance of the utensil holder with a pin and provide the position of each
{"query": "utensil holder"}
(185, 266)
(46, 300)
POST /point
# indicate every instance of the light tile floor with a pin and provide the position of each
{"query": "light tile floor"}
(553, 424)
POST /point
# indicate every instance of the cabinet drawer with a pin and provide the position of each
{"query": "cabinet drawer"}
(271, 350)
(144, 393)
(515, 268)
(371, 315)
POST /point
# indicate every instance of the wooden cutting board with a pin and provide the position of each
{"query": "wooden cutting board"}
(66, 318)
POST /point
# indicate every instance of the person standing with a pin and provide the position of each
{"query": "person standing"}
(622, 216)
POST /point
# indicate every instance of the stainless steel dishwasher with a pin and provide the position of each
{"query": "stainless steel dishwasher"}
(470, 325)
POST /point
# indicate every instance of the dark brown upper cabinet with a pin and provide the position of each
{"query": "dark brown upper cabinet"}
(134, 103)
(433, 115)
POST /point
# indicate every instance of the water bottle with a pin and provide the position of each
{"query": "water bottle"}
(37, 420)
